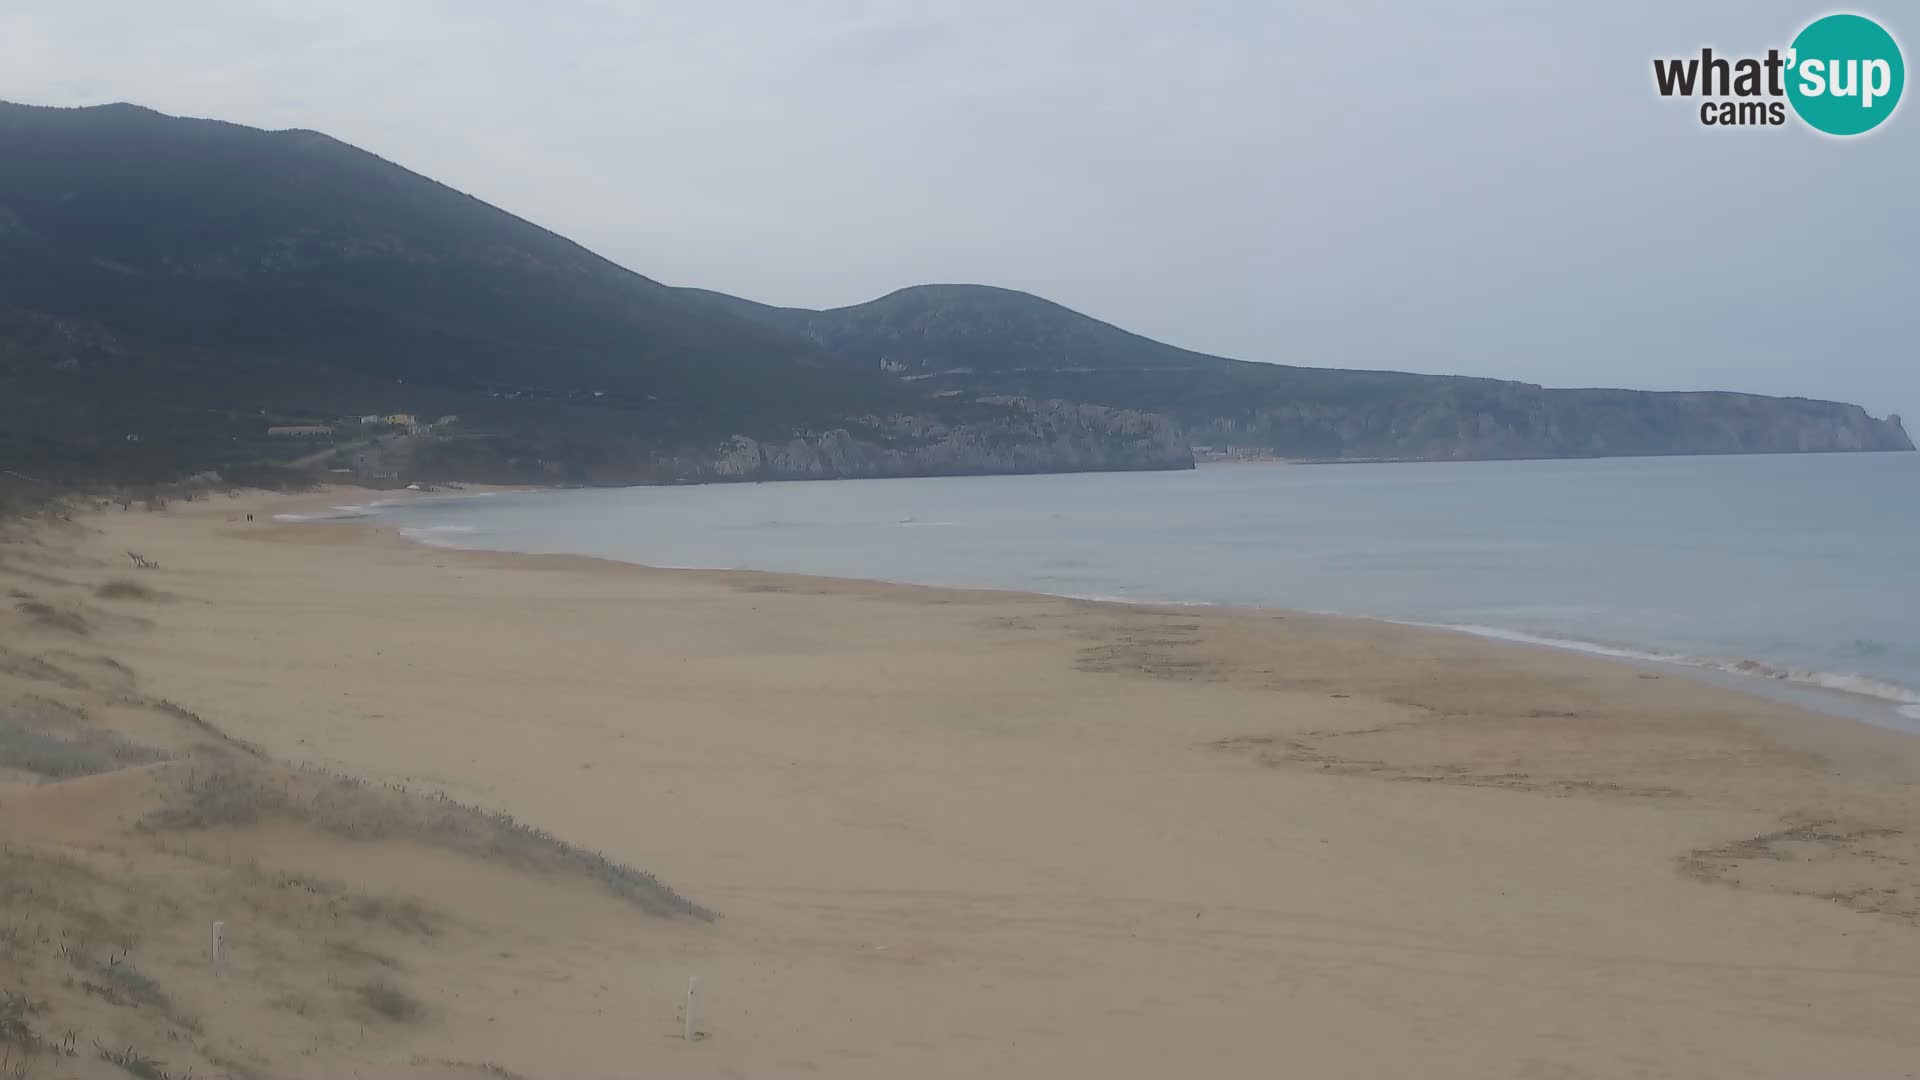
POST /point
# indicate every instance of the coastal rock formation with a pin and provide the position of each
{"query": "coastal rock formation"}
(993, 436)
(975, 339)
(1048, 436)
(1518, 420)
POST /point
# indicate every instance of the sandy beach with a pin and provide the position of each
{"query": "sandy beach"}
(942, 833)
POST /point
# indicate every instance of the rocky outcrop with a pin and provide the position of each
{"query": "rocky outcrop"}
(1017, 436)
(972, 339)
(1518, 420)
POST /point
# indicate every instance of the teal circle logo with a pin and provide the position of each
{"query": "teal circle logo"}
(1845, 74)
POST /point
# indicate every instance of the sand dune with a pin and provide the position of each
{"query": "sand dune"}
(945, 833)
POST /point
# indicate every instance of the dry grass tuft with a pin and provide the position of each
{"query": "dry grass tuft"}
(402, 913)
(482, 1068)
(390, 1002)
(353, 952)
(294, 1002)
(127, 589)
(199, 724)
(237, 795)
(134, 1063)
(122, 983)
(34, 669)
(16, 1029)
(52, 618)
(217, 797)
(52, 747)
(132, 984)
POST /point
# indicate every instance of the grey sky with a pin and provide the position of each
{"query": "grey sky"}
(1483, 188)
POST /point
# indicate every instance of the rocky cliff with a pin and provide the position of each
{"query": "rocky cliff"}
(974, 339)
(1519, 420)
(1048, 436)
(1004, 435)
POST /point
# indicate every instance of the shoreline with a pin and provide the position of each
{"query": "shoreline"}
(1811, 701)
(1890, 706)
(970, 831)
(1796, 687)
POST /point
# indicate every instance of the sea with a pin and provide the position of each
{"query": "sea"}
(1792, 575)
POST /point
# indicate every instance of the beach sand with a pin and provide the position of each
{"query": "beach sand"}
(945, 833)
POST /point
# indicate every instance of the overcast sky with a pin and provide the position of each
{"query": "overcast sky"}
(1483, 188)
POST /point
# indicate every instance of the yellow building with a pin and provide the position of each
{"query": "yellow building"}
(404, 419)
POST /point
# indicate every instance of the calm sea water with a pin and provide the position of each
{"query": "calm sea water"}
(1799, 570)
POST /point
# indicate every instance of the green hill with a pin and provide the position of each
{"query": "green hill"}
(172, 289)
(172, 277)
(188, 283)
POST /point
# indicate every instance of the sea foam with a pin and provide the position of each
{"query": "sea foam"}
(1905, 698)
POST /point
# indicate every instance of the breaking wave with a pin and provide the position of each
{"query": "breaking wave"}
(332, 513)
(436, 535)
(1906, 699)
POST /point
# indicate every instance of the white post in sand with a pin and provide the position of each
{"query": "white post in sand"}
(219, 950)
(692, 1012)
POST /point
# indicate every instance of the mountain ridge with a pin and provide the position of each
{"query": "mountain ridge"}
(173, 290)
(985, 339)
